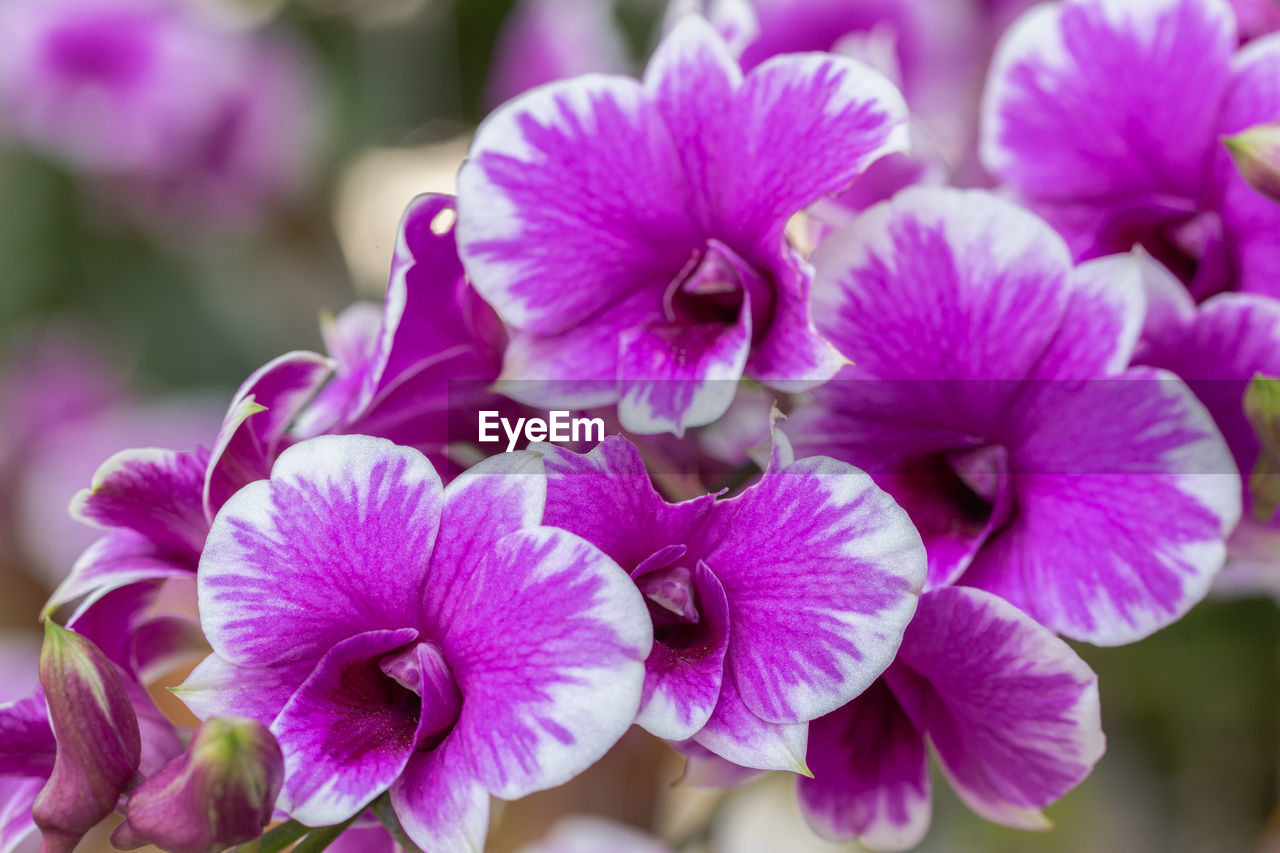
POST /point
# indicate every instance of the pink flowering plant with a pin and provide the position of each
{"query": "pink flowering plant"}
(860, 453)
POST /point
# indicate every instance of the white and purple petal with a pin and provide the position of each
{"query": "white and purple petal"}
(336, 543)
(494, 497)
(439, 802)
(590, 493)
(1011, 710)
(913, 288)
(1057, 126)
(262, 409)
(348, 732)
(121, 558)
(1125, 494)
(555, 169)
(870, 774)
(821, 570)
(739, 736)
(216, 688)
(684, 671)
(17, 826)
(546, 637)
(157, 493)
(672, 376)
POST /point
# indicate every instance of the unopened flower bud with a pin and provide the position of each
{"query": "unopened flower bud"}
(1256, 151)
(219, 793)
(99, 745)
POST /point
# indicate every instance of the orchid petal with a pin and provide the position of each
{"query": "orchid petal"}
(349, 520)
(1010, 708)
(552, 678)
(821, 570)
(346, 734)
(870, 775)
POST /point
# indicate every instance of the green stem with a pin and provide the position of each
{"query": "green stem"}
(382, 808)
(320, 838)
(276, 839)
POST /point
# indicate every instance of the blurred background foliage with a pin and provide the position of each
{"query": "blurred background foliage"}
(1192, 714)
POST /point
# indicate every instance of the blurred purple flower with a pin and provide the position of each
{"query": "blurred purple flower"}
(112, 86)
(258, 148)
(436, 642)
(1010, 710)
(186, 119)
(631, 232)
(546, 40)
(769, 609)
(1113, 166)
(69, 407)
(990, 393)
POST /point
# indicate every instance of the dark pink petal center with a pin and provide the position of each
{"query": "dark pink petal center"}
(983, 472)
(430, 691)
(714, 287)
(677, 599)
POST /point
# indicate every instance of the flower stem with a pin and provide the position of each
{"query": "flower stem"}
(276, 839)
(382, 808)
(320, 838)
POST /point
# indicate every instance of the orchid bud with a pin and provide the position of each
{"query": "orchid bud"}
(219, 793)
(1256, 151)
(99, 745)
(1262, 408)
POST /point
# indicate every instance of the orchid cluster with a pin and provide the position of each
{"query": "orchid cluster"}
(879, 446)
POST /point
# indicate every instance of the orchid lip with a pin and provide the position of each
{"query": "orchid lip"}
(423, 673)
(984, 486)
(672, 598)
(709, 289)
(671, 593)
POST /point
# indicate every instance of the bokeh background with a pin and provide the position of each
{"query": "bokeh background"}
(127, 318)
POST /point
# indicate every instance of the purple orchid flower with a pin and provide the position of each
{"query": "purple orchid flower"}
(398, 635)
(1217, 348)
(408, 375)
(1140, 164)
(631, 232)
(546, 40)
(185, 118)
(257, 147)
(990, 394)
(1011, 711)
(769, 609)
(417, 373)
(113, 86)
